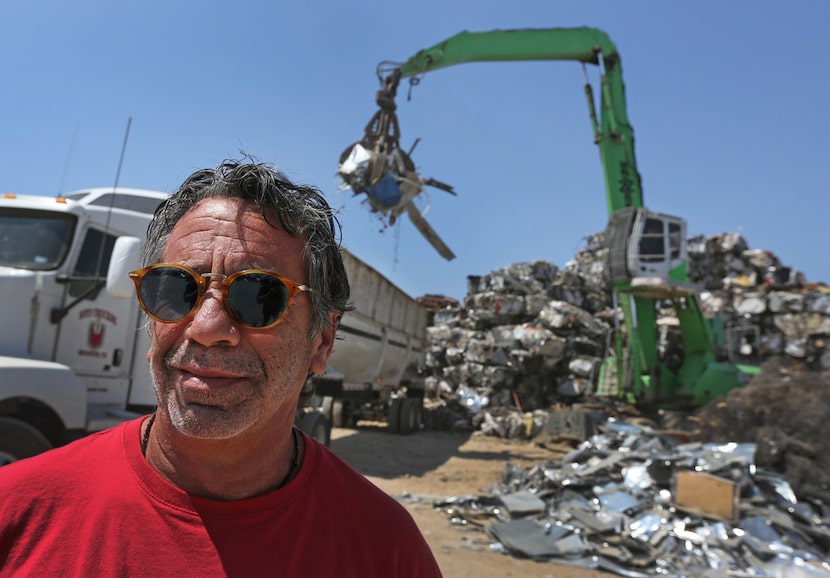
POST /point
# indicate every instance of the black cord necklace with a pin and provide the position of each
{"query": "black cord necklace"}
(146, 438)
(295, 460)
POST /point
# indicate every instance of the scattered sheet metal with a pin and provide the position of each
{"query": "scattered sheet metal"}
(606, 505)
(522, 503)
(534, 540)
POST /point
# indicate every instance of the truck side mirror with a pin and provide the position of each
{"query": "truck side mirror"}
(125, 258)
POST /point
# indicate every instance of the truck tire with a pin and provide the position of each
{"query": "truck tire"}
(410, 417)
(19, 440)
(394, 416)
(326, 407)
(317, 426)
(340, 414)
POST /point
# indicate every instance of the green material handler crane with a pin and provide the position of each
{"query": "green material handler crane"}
(646, 263)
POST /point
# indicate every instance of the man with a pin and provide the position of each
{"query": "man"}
(244, 286)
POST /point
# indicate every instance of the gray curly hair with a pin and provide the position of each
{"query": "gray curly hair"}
(300, 210)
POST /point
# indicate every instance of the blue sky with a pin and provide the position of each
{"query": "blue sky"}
(728, 101)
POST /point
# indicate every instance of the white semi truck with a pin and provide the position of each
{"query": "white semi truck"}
(73, 344)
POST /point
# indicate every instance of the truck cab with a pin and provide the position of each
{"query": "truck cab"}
(71, 357)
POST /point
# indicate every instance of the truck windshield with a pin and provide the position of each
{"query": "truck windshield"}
(34, 239)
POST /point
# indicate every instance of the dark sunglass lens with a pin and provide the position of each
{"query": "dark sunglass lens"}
(169, 293)
(257, 300)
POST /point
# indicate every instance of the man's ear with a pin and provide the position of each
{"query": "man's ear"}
(324, 343)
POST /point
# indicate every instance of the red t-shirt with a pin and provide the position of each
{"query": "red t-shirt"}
(96, 508)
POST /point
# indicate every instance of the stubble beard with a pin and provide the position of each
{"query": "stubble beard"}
(216, 417)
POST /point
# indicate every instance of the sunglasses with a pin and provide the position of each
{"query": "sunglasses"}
(254, 298)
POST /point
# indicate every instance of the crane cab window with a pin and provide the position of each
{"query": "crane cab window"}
(675, 240)
(652, 241)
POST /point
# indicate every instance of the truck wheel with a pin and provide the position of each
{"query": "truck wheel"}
(340, 413)
(317, 426)
(410, 419)
(394, 417)
(19, 440)
(327, 405)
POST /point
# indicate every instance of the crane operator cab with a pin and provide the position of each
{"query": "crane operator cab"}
(648, 250)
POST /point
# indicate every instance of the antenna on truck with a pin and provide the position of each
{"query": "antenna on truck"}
(59, 313)
(68, 158)
(112, 196)
(118, 172)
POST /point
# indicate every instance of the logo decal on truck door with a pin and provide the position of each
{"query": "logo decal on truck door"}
(96, 330)
(96, 334)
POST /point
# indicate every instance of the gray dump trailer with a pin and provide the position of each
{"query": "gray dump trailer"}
(374, 373)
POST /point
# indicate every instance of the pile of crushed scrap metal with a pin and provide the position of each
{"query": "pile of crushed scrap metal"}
(532, 335)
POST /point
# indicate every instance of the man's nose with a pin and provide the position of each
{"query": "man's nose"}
(211, 324)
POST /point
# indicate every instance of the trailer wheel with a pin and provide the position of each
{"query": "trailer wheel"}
(394, 417)
(327, 405)
(19, 440)
(410, 418)
(317, 426)
(340, 411)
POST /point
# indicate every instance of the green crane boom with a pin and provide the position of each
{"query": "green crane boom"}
(612, 132)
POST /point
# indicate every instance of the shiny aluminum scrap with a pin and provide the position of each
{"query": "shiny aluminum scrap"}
(613, 504)
(377, 167)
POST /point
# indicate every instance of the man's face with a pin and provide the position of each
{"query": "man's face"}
(218, 379)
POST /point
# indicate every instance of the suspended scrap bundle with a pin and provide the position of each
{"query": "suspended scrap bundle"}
(377, 167)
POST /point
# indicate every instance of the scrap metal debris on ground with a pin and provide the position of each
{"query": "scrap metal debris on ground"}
(637, 502)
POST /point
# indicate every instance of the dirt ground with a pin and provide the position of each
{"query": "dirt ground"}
(432, 465)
